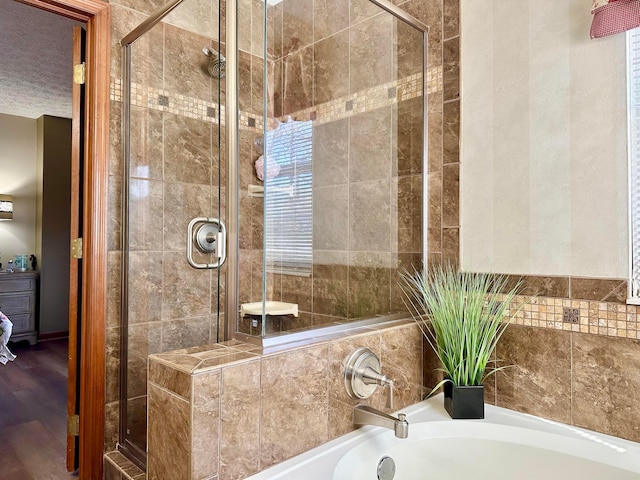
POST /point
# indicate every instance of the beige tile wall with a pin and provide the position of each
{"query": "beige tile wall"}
(233, 410)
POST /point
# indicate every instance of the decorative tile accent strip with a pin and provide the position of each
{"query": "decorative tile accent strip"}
(376, 97)
(598, 318)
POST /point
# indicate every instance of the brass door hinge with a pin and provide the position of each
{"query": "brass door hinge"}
(73, 425)
(78, 74)
(76, 248)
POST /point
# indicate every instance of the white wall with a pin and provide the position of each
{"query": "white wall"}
(543, 162)
(18, 178)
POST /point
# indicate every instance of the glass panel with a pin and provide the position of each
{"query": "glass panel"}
(342, 173)
(175, 169)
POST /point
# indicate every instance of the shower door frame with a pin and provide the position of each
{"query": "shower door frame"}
(97, 17)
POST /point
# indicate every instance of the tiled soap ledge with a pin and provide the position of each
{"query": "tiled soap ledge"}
(127, 469)
(366, 100)
(204, 358)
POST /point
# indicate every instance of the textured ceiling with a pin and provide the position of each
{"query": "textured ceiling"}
(35, 61)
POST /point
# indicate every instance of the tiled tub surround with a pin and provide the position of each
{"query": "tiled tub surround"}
(232, 409)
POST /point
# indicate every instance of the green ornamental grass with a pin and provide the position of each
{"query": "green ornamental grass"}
(461, 315)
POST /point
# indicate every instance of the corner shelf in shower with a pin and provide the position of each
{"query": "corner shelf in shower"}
(271, 308)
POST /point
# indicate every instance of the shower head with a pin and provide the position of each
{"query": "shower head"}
(217, 63)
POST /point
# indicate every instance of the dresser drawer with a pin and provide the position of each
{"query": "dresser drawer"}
(12, 304)
(20, 323)
(19, 283)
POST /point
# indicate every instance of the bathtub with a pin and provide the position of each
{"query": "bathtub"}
(505, 445)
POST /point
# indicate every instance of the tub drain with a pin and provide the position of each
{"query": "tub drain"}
(386, 468)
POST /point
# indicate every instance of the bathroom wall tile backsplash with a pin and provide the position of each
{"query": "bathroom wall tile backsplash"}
(237, 419)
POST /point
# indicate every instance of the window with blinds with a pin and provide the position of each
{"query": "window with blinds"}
(288, 207)
(633, 109)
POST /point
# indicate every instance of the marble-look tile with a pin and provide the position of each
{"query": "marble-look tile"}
(112, 369)
(368, 209)
(340, 404)
(430, 13)
(170, 378)
(331, 218)
(145, 287)
(369, 287)
(435, 200)
(278, 88)
(111, 472)
(185, 67)
(606, 385)
(245, 95)
(298, 80)
(451, 18)
(111, 425)
(143, 340)
(451, 195)
(244, 25)
(370, 53)
(451, 134)
(593, 288)
(195, 16)
(145, 214)
(146, 52)
(257, 86)
(409, 214)
(331, 57)
(408, 137)
(115, 138)
(451, 246)
(182, 203)
(188, 153)
(296, 289)
(169, 442)
(205, 433)
(114, 229)
(189, 295)
(330, 288)
(137, 421)
(541, 286)
(329, 17)
(534, 384)
(257, 29)
(144, 6)
(146, 134)
(185, 333)
(451, 68)
(240, 427)
(114, 284)
(435, 128)
(297, 21)
(330, 153)
(403, 262)
(370, 145)
(293, 386)
(360, 10)
(274, 31)
(408, 52)
(401, 360)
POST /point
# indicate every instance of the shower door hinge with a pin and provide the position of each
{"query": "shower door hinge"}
(78, 73)
(73, 426)
(76, 248)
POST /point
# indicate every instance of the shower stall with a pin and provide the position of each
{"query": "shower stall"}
(274, 156)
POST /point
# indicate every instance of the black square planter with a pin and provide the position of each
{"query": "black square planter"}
(464, 402)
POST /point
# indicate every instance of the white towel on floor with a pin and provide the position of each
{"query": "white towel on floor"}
(6, 327)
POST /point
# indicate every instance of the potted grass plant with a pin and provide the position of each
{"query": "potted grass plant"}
(462, 316)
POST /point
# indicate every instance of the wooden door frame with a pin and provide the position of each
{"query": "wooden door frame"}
(96, 15)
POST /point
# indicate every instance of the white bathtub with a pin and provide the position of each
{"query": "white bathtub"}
(505, 445)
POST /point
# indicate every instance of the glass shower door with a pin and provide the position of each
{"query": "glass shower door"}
(173, 207)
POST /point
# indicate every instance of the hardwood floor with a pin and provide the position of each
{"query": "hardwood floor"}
(33, 402)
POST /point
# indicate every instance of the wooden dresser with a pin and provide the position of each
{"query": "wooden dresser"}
(18, 302)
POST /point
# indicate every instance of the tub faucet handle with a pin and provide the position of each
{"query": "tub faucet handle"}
(362, 375)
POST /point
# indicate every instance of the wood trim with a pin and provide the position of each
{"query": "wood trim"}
(97, 16)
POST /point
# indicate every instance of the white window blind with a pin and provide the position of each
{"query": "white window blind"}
(633, 109)
(288, 199)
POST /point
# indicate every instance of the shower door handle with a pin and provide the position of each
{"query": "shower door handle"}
(209, 235)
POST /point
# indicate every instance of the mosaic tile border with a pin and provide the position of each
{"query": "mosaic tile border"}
(598, 318)
(372, 98)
